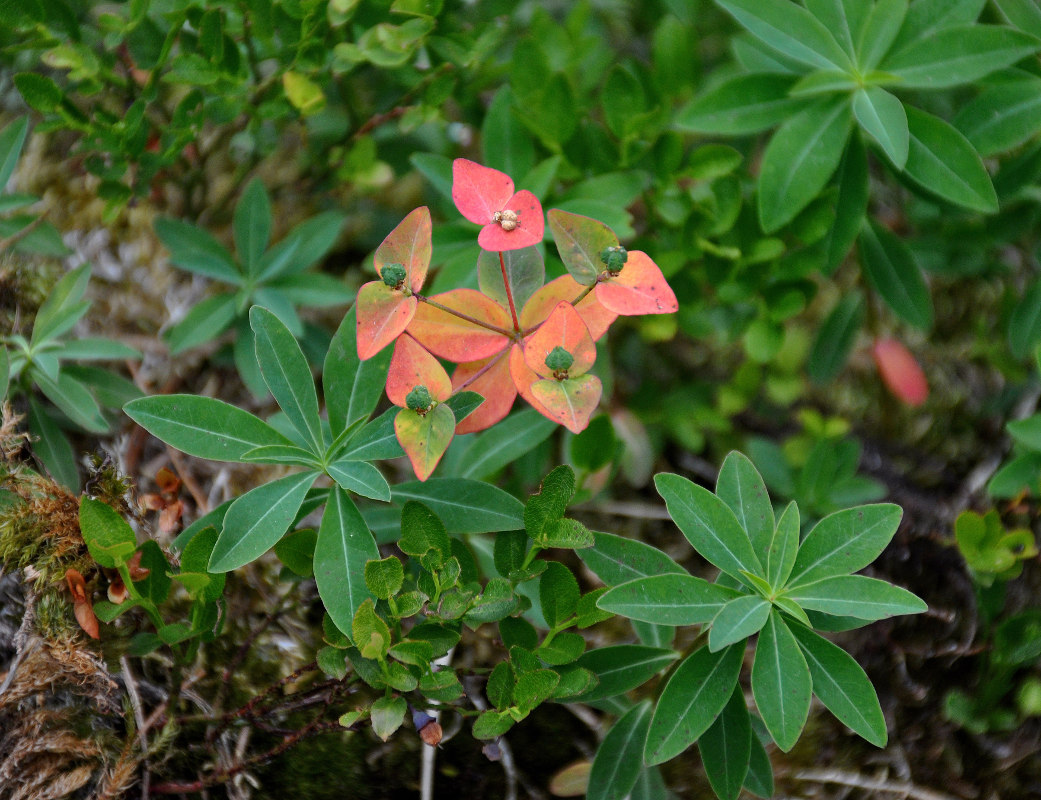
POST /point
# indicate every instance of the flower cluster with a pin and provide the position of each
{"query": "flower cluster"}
(515, 335)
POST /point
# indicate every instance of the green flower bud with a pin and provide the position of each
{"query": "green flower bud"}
(419, 399)
(393, 275)
(559, 361)
(614, 258)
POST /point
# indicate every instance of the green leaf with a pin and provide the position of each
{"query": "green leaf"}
(196, 250)
(525, 274)
(890, 268)
(296, 551)
(550, 502)
(375, 441)
(619, 759)
(857, 596)
(957, 55)
(422, 530)
(580, 240)
(568, 534)
(282, 454)
(835, 339)
(303, 247)
(312, 289)
(737, 620)
(845, 542)
(851, 203)
(287, 375)
(503, 444)
(258, 519)
(352, 387)
(671, 599)
(622, 667)
(843, 18)
(926, 17)
(505, 145)
(695, 693)
(463, 404)
(883, 117)
(63, 307)
(558, 594)
(155, 586)
(384, 577)
(534, 687)
(304, 95)
(800, 158)
(109, 537)
(1002, 117)
(741, 487)
(252, 225)
(783, 548)
(617, 559)
(741, 105)
(344, 546)
(789, 29)
(709, 525)
(12, 139)
(1026, 431)
(1024, 14)
(202, 426)
(1024, 324)
(361, 478)
(72, 398)
(38, 91)
(387, 715)
(51, 446)
(781, 683)
(726, 748)
(842, 686)
(880, 31)
(760, 778)
(5, 372)
(465, 505)
(91, 348)
(942, 161)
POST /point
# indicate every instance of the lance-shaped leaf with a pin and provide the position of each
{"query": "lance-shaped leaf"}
(352, 387)
(738, 620)
(485, 196)
(638, 289)
(781, 682)
(413, 366)
(460, 339)
(709, 525)
(362, 478)
(383, 314)
(618, 559)
(619, 758)
(727, 746)
(783, 547)
(564, 290)
(670, 599)
(900, 372)
(525, 274)
(845, 542)
(409, 244)
(343, 547)
(580, 241)
(622, 667)
(258, 519)
(857, 596)
(425, 436)
(741, 487)
(491, 379)
(690, 701)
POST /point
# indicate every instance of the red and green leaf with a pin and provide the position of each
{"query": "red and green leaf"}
(900, 372)
(409, 244)
(565, 289)
(479, 191)
(563, 328)
(639, 288)
(529, 230)
(571, 402)
(580, 241)
(412, 366)
(383, 314)
(525, 274)
(494, 384)
(425, 437)
(449, 336)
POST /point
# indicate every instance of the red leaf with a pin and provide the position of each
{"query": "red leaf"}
(425, 437)
(412, 366)
(383, 314)
(570, 402)
(565, 288)
(564, 328)
(523, 378)
(639, 288)
(530, 225)
(456, 339)
(409, 245)
(900, 372)
(479, 191)
(495, 385)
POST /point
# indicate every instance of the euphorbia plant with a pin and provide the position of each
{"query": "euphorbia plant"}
(515, 335)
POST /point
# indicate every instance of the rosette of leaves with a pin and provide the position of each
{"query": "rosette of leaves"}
(770, 584)
(32, 369)
(279, 277)
(833, 74)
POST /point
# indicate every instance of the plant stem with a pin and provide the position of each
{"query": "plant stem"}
(491, 363)
(509, 292)
(508, 333)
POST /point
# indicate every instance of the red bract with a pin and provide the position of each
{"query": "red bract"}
(485, 196)
(639, 288)
(900, 372)
(385, 308)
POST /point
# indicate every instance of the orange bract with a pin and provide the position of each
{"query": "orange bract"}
(639, 288)
(564, 328)
(494, 384)
(412, 366)
(448, 336)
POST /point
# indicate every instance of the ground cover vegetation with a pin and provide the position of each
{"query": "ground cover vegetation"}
(516, 399)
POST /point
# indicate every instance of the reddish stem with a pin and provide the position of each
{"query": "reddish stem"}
(494, 360)
(508, 333)
(509, 292)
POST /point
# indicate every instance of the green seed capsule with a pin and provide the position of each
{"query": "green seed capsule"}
(559, 360)
(614, 258)
(419, 399)
(393, 275)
